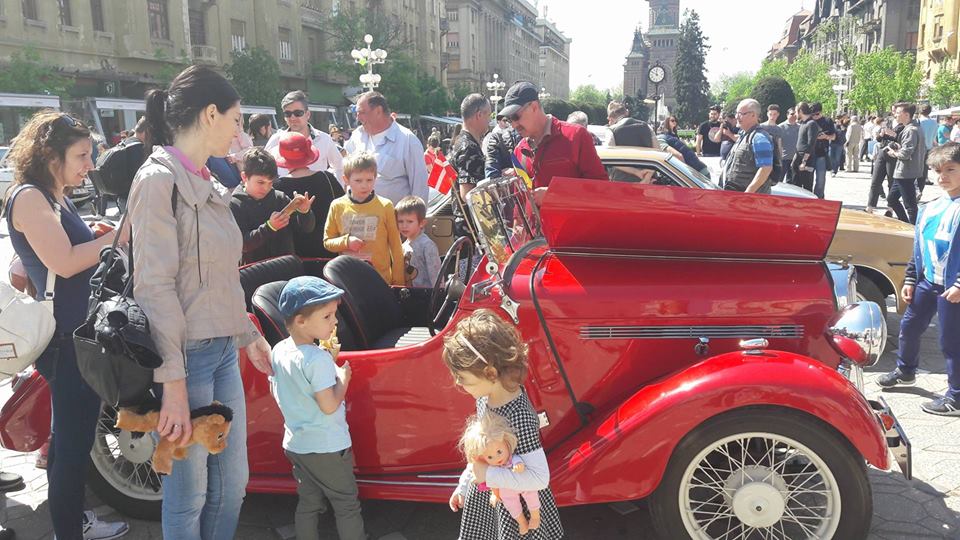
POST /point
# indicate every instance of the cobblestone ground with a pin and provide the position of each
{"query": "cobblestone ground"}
(927, 507)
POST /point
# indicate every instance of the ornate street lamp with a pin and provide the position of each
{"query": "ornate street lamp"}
(543, 93)
(367, 57)
(496, 86)
(842, 76)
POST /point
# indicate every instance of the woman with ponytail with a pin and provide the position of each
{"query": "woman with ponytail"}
(186, 248)
(52, 154)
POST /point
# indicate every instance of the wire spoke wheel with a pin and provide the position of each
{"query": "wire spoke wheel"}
(759, 486)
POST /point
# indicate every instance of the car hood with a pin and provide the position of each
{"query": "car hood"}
(615, 217)
(865, 221)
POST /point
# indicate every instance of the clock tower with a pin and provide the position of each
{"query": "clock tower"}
(659, 46)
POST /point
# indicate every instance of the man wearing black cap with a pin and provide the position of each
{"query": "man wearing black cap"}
(549, 147)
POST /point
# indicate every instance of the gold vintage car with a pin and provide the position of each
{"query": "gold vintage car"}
(878, 247)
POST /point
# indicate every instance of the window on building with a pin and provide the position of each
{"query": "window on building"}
(238, 35)
(911, 40)
(198, 27)
(30, 10)
(66, 18)
(157, 18)
(286, 45)
(96, 10)
(453, 15)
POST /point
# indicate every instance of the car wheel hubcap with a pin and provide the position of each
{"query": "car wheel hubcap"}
(124, 461)
(758, 486)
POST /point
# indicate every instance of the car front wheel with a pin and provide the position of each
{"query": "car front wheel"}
(763, 474)
(121, 471)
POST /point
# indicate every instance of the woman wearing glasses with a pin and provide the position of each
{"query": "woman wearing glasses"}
(51, 155)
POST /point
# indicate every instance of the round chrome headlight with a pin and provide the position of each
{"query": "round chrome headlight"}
(859, 333)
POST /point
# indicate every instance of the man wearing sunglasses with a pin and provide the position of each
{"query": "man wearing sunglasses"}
(297, 115)
(550, 147)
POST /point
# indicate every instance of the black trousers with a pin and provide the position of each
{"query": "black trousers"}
(908, 191)
(798, 177)
(883, 166)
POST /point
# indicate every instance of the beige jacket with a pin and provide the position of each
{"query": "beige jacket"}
(186, 275)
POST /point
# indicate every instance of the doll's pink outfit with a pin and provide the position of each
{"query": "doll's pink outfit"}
(511, 498)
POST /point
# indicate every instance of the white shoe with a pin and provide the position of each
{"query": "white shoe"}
(94, 529)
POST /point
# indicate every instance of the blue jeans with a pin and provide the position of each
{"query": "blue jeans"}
(820, 176)
(927, 302)
(836, 157)
(203, 494)
(75, 411)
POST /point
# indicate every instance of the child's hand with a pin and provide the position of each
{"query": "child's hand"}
(305, 202)
(456, 501)
(354, 244)
(952, 294)
(907, 293)
(279, 220)
(345, 373)
(480, 472)
(519, 468)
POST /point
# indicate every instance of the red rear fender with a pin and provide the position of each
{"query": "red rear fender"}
(624, 454)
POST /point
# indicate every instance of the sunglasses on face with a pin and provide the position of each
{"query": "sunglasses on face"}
(296, 112)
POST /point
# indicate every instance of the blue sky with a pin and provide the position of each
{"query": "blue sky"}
(740, 33)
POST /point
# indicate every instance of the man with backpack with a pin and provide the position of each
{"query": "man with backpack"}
(751, 161)
(118, 165)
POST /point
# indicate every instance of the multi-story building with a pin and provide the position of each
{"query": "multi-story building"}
(658, 48)
(788, 46)
(504, 37)
(937, 45)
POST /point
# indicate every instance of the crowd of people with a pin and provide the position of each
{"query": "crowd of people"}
(311, 193)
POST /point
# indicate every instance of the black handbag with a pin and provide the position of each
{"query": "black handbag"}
(115, 353)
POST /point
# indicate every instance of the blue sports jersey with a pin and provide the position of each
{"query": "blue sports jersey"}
(936, 230)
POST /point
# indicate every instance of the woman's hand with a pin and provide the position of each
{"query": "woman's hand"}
(174, 423)
(259, 354)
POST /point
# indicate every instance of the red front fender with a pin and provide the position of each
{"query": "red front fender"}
(624, 453)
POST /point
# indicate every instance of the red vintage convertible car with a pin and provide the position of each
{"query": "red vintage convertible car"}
(686, 346)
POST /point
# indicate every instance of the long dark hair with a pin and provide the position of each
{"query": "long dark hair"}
(665, 125)
(42, 141)
(258, 122)
(179, 106)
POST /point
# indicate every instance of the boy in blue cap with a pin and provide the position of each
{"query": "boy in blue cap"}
(310, 390)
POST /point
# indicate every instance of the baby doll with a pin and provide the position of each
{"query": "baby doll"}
(490, 439)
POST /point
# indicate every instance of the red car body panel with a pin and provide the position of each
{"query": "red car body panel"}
(712, 264)
(610, 217)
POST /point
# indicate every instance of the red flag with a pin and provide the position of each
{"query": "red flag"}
(442, 175)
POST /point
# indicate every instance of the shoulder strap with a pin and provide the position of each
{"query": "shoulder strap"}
(49, 291)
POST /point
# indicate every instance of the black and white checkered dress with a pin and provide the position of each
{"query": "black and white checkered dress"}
(479, 520)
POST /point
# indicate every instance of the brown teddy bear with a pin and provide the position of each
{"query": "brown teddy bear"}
(211, 425)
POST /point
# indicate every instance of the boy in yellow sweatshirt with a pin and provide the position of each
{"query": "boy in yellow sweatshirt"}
(363, 225)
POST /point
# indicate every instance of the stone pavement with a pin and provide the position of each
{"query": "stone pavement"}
(926, 508)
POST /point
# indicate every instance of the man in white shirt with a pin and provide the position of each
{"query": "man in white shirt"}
(401, 170)
(297, 115)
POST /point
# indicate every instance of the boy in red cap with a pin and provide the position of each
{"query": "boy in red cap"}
(263, 213)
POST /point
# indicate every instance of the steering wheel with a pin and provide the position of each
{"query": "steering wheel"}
(449, 284)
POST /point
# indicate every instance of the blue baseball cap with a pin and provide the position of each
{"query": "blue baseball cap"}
(303, 291)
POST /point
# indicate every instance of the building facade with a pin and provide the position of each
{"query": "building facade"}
(508, 38)
(788, 46)
(658, 47)
(937, 45)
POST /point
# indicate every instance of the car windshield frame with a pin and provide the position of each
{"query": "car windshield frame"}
(501, 228)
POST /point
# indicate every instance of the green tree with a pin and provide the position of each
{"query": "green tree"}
(588, 93)
(882, 78)
(691, 86)
(171, 67)
(773, 68)
(946, 88)
(809, 77)
(774, 90)
(256, 76)
(26, 73)
(735, 87)
(345, 29)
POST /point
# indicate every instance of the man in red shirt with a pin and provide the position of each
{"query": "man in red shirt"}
(549, 147)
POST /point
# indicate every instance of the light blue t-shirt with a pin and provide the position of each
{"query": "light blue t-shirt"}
(929, 127)
(938, 227)
(298, 373)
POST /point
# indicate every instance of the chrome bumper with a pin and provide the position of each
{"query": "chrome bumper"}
(897, 440)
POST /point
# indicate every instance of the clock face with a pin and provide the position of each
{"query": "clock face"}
(656, 74)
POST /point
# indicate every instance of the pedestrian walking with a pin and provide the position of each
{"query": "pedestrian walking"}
(932, 286)
(50, 155)
(854, 142)
(804, 159)
(187, 281)
(751, 160)
(296, 112)
(883, 166)
(401, 170)
(908, 152)
(929, 128)
(822, 148)
(790, 131)
(868, 134)
(837, 146)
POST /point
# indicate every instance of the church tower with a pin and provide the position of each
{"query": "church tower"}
(663, 33)
(635, 68)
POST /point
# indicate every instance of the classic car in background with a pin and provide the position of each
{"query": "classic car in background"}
(711, 373)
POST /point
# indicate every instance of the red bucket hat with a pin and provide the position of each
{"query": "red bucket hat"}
(296, 151)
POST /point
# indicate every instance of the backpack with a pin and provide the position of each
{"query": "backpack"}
(117, 167)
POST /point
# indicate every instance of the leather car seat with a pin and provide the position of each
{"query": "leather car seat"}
(253, 275)
(266, 307)
(369, 308)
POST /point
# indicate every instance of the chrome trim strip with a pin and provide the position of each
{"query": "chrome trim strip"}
(789, 331)
(454, 476)
(397, 483)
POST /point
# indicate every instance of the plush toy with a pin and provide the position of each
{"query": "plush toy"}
(211, 425)
(490, 439)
